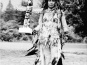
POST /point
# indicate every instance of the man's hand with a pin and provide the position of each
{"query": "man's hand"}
(65, 36)
(65, 33)
(34, 32)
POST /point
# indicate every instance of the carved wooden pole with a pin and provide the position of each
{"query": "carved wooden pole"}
(28, 13)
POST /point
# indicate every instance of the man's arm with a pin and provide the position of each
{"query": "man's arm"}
(64, 23)
(39, 22)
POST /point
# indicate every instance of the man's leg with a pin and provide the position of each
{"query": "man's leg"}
(56, 51)
(47, 55)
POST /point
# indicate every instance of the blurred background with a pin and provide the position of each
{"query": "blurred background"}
(12, 13)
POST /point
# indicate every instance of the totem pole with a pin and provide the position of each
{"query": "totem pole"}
(28, 13)
(26, 26)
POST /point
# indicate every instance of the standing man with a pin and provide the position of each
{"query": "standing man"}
(52, 24)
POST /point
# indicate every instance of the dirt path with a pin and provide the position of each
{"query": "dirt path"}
(75, 54)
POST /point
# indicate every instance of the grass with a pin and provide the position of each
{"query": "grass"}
(75, 54)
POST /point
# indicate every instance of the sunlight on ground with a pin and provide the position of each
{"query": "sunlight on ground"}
(75, 54)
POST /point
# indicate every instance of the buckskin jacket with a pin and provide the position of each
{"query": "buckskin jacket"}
(50, 24)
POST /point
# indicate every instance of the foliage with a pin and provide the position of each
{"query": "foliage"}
(20, 15)
(85, 40)
(77, 18)
(9, 29)
(34, 20)
(13, 15)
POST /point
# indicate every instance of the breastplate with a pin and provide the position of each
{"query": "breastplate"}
(49, 25)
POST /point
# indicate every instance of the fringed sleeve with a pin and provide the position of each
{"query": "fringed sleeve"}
(64, 23)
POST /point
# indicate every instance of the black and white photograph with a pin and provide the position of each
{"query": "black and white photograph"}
(43, 32)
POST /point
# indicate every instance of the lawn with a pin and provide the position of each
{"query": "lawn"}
(14, 54)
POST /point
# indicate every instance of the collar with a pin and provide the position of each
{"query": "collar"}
(51, 9)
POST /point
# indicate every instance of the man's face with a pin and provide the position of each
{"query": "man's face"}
(51, 3)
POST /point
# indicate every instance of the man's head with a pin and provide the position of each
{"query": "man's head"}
(51, 3)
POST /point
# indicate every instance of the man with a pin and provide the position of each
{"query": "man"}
(52, 24)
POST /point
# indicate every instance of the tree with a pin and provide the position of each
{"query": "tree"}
(8, 15)
(76, 16)
(8, 30)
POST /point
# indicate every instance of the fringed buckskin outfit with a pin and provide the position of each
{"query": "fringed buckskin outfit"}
(49, 36)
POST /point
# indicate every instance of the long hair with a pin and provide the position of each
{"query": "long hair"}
(45, 4)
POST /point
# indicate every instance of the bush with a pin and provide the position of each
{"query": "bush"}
(85, 40)
(8, 29)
